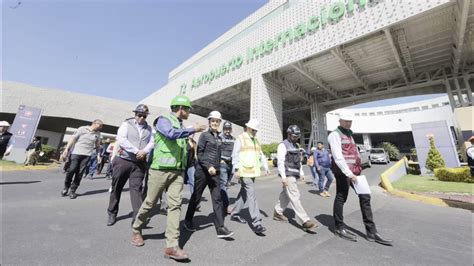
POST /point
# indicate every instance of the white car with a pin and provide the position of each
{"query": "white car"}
(379, 155)
(364, 155)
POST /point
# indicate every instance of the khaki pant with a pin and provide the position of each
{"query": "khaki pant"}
(247, 196)
(31, 156)
(291, 195)
(159, 181)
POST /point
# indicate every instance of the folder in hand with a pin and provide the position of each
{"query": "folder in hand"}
(361, 186)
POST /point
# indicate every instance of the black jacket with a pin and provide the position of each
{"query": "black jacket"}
(209, 150)
(34, 145)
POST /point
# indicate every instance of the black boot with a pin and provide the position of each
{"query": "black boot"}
(73, 194)
(376, 237)
(344, 234)
(112, 219)
(64, 191)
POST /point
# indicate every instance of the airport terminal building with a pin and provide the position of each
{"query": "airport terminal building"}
(295, 61)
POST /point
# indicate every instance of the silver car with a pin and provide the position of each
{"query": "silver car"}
(379, 155)
(364, 155)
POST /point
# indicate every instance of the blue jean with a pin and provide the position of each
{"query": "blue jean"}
(91, 166)
(190, 178)
(315, 175)
(325, 171)
(226, 172)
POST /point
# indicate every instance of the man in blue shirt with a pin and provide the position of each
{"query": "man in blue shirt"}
(322, 161)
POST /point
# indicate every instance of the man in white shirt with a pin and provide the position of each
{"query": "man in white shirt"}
(247, 160)
(135, 141)
(346, 167)
(470, 155)
(290, 169)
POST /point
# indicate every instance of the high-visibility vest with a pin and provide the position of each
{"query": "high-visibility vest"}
(249, 156)
(169, 154)
(350, 153)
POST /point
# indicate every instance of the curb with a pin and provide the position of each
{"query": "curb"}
(27, 168)
(387, 185)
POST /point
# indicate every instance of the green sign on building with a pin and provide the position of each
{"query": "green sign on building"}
(328, 15)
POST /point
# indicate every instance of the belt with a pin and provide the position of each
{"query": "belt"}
(226, 161)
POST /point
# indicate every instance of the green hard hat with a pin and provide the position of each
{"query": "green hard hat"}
(181, 100)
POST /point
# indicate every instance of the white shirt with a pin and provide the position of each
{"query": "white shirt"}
(122, 139)
(336, 149)
(281, 154)
(470, 152)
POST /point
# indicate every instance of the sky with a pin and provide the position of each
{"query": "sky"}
(122, 49)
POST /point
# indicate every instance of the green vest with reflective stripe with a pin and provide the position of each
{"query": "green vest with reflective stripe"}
(169, 154)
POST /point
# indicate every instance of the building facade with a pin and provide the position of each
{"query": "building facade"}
(293, 61)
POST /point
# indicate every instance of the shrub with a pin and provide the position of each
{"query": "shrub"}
(413, 155)
(49, 153)
(392, 150)
(414, 169)
(434, 159)
(461, 174)
(268, 149)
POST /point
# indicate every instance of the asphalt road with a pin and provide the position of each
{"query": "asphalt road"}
(40, 227)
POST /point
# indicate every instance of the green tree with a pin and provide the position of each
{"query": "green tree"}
(434, 159)
(49, 152)
(392, 150)
(268, 149)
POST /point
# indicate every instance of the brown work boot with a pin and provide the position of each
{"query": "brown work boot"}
(279, 217)
(137, 239)
(176, 253)
(310, 226)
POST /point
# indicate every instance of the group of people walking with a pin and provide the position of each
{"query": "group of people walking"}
(166, 154)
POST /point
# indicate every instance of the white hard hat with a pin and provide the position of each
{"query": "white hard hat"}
(313, 148)
(346, 114)
(215, 114)
(4, 124)
(253, 124)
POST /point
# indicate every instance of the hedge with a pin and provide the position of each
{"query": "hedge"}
(454, 174)
(49, 153)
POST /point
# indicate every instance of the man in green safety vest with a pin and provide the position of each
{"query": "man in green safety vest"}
(167, 173)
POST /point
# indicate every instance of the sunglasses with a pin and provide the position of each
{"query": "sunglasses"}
(142, 115)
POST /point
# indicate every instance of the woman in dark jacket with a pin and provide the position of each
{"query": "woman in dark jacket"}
(207, 174)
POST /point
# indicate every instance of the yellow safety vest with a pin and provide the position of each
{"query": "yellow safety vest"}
(250, 156)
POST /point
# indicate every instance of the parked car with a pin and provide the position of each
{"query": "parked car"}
(379, 155)
(364, 155)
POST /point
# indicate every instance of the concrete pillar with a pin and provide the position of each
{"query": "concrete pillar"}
(468, 91)
(367, 140)
(266, 105)
(452, 102)
(318, 123)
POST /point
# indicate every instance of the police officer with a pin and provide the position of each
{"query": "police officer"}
(346, 166)
(226, 161)
(135, 140)
(290, 170)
